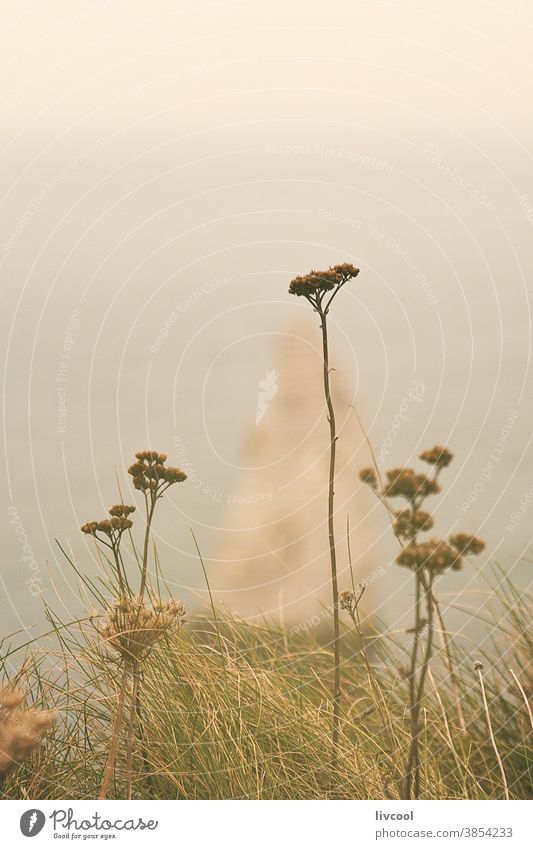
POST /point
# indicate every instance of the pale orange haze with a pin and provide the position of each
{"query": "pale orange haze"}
(166, 168)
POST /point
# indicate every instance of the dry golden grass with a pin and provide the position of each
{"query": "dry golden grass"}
(246, 714)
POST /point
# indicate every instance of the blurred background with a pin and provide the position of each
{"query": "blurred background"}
(166, 169)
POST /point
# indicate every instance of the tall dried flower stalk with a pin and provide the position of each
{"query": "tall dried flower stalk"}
(132, 628)
(152, 477)
(349, 601)
(427, 560)
(109, 532)
(319, 288)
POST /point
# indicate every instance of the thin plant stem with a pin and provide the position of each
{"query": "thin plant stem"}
(356, 619)
(449, 664)
(319, 289)
(491, 734)
(115, 733)
(211, 600)
(140, 723)
(526, 701)
(150, 507)
(421, 684)
(331, 534)
(413, 748)
(449, 738)
(131, 725)
(373, 684)
(118, 565)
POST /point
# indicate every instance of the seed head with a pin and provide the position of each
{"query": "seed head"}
(347, 600)
(149, 472)
(408, 524)
(369, 477)
(437, 456)
(148, 456)
(478, 665)
(21, 732)
(114, 527)
(345, 271)
(175, 475)
(467, 544)
(9, 699)
(132, 628)
(121, 510)
(120, 523)
(406, 484)
(435, 556)
(318, 282)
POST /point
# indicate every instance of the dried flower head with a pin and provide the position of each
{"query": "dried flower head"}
(407, 484)
(437, 456)
(132, 628)
(9, 699)
(174, 475)
(345, 271)
(150, 474)
(434, 555)
(147, 456)
(112, 528)
(478, 665)
(121, 510)
(21, 732)
(121, 524)
(408, 523)
(317, 283)
(466, 544)
(347, 600)
(369, 477)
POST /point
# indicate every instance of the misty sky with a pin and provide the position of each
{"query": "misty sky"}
(167, 167)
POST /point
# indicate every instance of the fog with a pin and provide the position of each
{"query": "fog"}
(166, 169)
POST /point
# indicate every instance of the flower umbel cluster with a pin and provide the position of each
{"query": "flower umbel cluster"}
(405, 483)
(132, 628)
(316, 284)
(132, 625)
(150, 474)
(467, 544)
(435, 555)
(408, 521)
(112, 528)
(437, 456)
(21, 731)
(427, 560)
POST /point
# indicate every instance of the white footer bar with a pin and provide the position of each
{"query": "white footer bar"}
(268, 825)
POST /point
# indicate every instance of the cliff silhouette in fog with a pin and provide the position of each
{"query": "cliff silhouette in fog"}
(274, 556)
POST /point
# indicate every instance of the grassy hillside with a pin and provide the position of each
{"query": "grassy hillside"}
(227, 710)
